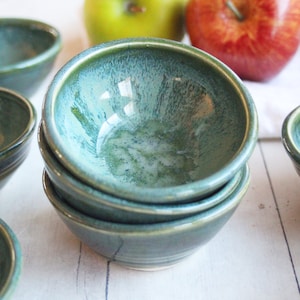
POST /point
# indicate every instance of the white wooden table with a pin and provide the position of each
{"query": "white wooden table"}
(255, 256)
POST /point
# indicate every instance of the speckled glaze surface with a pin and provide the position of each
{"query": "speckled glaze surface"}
(17, 125)
(291, 137)
(10, 261)
(107, 207)
(150, 120)
(147, 247)
(27, 53)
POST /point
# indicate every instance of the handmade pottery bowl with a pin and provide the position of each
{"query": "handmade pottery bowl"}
(150, 120)
(291, 137)
(10, 261)
(146, 246)
(17, 124)
(107, 207)
(27, 53)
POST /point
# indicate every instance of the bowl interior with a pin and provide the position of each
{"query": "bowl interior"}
(10, 260)
(22, 40)
(143, 116)
(17, 119)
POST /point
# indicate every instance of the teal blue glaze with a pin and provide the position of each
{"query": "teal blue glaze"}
(10, 261)
(27, 53)
(150, 154)
(151, 88)
(148, 246)
(17, 125)
(291, 136)
(108, 207)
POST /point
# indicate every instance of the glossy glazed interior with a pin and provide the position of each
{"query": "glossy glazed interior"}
(15, 119)
(21, 42)
(27, 53)
(149, 116)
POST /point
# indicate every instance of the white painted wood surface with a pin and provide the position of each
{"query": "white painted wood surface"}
(255, 256)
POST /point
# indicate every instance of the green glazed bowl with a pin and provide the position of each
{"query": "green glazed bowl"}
(111, 208)
(27, 53)
(291, 136)
(150, 120)
(147, 246)
(10, 261)
(17, 125)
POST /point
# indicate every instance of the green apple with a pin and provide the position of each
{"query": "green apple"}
(107, 20)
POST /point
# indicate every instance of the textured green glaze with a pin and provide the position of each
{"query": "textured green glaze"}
(148, 246)
(150, 154)
(291, 137)
(17, 124)
(10, 261)
(27, 53)
(150, 119)
(108, 207)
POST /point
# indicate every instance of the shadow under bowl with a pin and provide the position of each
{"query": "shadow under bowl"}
(291, 137)
(17, 125)
(27, 53)
(108, 207)
(10, 261)
(146, 246)
(150, 120)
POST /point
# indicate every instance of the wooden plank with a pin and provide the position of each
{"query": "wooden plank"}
(286, 189)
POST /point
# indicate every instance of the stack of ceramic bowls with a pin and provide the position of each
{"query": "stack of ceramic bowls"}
(146, 144)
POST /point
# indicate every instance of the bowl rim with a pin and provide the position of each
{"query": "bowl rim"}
(92, 223)
(178, 193)
(46, 55)
(65, 180)
(30, 127)
(16, 260)
(287, 133)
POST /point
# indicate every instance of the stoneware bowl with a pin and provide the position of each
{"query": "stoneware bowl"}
(150, 120)
(10, 261)
(291, 137)
(17, 124)
(107, 207)
(146, 246)
(27, 53)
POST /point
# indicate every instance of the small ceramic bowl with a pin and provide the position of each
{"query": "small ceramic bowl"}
(10, 261)
(110, 208)
(17, 124)
(146, 246)
(150, 120)
(291, 137)
(27, 53)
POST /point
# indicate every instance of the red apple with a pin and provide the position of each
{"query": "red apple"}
(255, 38)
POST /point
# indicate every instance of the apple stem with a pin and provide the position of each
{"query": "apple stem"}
(235, 10)
(133, 8)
